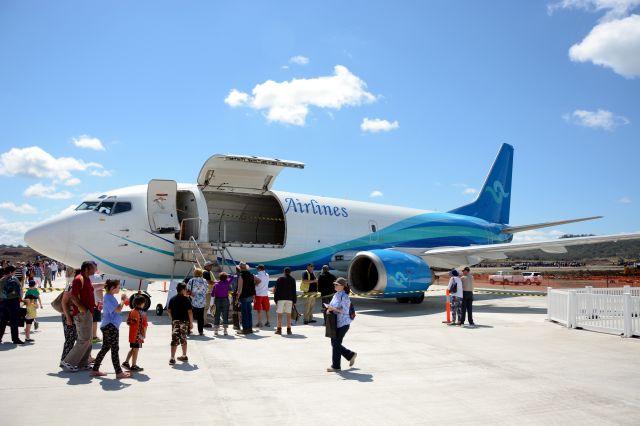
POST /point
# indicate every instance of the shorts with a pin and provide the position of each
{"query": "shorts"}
(284, 306)
(179, 330)
(261, 303)
(136, 345)
(97, 315)
(29, 320)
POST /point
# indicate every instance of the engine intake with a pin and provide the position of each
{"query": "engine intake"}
(388, 271)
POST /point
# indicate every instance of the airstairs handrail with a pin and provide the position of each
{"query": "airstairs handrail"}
(197, 247)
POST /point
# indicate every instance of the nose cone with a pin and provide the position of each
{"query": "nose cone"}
(49, 238)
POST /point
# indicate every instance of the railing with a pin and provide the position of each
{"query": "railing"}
(615, 310)
(196, 250)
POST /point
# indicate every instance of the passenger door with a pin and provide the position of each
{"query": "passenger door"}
(161, 206)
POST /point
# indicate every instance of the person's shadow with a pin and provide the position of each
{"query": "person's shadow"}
(112, 384)
(352, 375)
(185, 366)
(78, 378)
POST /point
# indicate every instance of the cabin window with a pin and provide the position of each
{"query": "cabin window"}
(121, 207)
(88, 205)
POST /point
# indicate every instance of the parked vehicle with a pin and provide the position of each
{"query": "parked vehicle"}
(526, 278)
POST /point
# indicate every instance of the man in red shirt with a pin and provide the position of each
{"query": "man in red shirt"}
(82, 306)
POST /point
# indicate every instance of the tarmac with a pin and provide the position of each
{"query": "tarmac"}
(515, 367)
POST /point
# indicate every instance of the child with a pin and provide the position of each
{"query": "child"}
(31, 301)
(110, 330)
(137, 321)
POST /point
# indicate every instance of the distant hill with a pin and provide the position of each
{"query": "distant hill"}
(628, 250)
(18, 253)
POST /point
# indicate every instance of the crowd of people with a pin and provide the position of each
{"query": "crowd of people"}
(88, 303)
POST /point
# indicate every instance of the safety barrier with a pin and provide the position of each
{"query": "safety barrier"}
(614, 310)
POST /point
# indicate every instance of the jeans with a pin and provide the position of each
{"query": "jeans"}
(70, 337)
(198, 315)
(337, 348)
(467, 306)
(222, 310)
(245, 309)
(11, 315)
(79, 355)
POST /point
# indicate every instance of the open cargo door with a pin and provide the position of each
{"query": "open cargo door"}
(161, 206)
(242, 174)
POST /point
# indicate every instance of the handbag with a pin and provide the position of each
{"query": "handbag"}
(295, 315)
(331, 325)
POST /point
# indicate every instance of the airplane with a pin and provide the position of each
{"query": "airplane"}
(160, 230)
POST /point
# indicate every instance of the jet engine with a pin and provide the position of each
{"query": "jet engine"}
(390, 273)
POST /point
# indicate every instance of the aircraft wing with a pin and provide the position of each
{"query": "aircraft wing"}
(453, 257)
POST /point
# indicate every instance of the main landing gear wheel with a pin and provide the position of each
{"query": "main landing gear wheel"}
(418, 299)
(159, 309)
(147, 300)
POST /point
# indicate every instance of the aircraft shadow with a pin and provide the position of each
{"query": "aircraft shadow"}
(510, 309)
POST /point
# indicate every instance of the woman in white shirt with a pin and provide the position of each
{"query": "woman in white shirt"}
(456, 297)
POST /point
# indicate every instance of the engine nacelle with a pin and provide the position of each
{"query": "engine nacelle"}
(388, 271)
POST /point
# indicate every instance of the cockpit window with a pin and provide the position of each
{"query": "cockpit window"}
(88, 205)
(121, 207)
(105, 207)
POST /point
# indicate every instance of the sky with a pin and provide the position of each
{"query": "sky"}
(401, 103)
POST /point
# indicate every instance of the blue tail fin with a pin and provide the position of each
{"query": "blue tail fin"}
(494, 200)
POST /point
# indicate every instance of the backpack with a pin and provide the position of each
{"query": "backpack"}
(454, 287)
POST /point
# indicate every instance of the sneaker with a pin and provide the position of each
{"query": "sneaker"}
(18, 342)
(353, 359)
(279, 330)
(136, 368)
(29, 340)
(259, 325)
(126, 365)
(183, 358)
(70, 368)
(172, 361)
(332, 370)
(289, 332)
(267, 324)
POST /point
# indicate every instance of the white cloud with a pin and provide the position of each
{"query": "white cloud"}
(289, 101)
(100, 173)
(470, 191)
(46, 191)
(88, 142)
(537, 235)
(625, 200)
(615, 41)
(377, 125)
(376, 194)
(24, 208)
(12, 233)
(614, 44)
(236, 98)
(299, 60)
(600, 119)
(72, 182)
(37, 163)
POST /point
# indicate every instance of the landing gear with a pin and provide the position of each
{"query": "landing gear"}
(145, 296)
(416, 300)
(159, 309)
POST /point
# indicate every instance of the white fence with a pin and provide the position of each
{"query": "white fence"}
(608, 310)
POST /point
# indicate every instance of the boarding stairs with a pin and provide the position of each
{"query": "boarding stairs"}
(201, 252)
